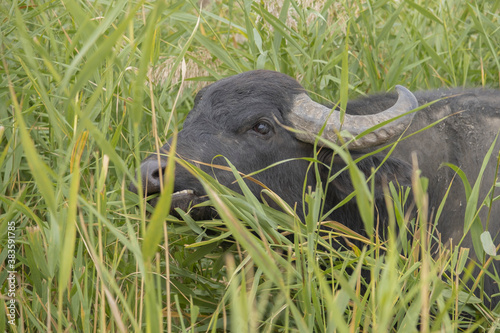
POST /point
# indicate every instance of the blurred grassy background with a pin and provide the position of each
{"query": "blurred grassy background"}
(89, 87)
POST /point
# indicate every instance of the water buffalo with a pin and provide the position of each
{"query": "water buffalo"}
(247, 117)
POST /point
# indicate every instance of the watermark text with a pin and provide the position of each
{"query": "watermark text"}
(11, 272)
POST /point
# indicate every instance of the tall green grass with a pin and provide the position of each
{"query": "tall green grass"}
(88, 88)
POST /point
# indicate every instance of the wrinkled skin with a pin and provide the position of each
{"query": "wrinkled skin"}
(240, 118)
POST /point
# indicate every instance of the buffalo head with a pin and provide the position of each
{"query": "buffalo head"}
(246, 118)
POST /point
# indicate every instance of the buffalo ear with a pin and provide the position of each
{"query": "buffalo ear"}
(392, 170)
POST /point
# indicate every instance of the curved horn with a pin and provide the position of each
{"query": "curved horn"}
(309, 117)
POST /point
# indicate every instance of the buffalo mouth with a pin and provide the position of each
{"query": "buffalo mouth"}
(186, 200)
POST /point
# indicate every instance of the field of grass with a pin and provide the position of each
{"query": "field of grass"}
(88, 88)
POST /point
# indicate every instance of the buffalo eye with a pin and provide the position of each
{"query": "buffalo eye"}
(262, 128)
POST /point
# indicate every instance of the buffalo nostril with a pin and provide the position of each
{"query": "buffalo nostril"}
(153, 181)
(156, 174)
(151, 177)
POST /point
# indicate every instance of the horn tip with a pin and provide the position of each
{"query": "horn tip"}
(404, 92)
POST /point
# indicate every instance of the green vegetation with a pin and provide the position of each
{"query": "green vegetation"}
(88, 88)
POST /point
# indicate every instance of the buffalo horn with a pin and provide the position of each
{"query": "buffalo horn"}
(308, 117)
